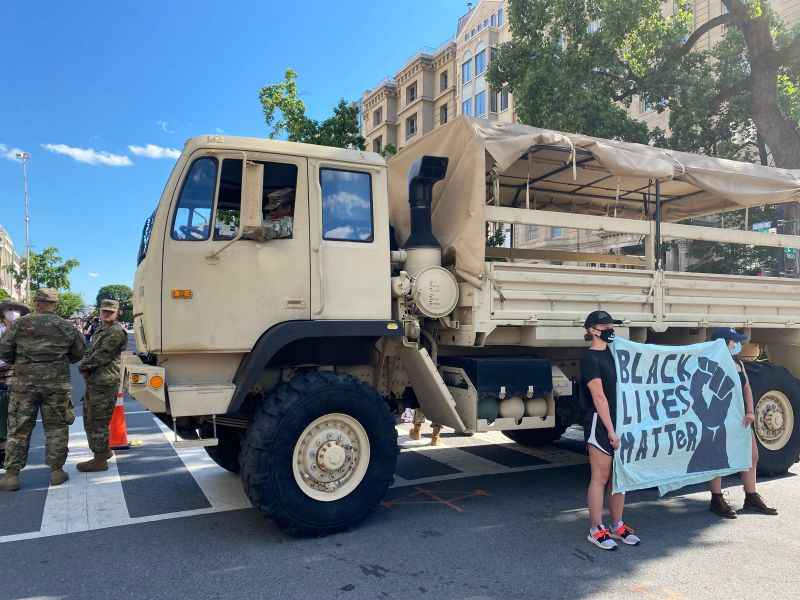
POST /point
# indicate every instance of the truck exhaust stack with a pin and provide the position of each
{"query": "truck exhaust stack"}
(423, 248)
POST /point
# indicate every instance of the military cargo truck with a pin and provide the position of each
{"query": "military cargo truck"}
(291, 300)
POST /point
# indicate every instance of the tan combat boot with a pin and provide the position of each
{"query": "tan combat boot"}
(414, 434)
(435, 431)
(10, 481)
(98, 463)
(58, 476)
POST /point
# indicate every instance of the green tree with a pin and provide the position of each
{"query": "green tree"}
(122, 294)
(573, 65)
(68, 304)
(4, 295)
(48, 270)
(285, 113)
(388, 151)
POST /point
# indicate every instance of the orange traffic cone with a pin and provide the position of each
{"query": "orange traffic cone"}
(118, 430)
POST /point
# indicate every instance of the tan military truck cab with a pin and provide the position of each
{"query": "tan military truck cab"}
(283, 324)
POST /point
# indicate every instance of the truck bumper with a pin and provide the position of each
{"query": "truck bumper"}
(145, 383)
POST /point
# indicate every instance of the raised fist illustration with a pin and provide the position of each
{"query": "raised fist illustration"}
(711, 391)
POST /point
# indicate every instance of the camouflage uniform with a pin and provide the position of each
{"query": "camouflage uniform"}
(101, 367)
(40, 346)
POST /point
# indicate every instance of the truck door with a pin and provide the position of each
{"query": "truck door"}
(350, 274)
(220, 293)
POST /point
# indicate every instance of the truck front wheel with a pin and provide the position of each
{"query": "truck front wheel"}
(536, 437)
(320, 453)
(776, 399)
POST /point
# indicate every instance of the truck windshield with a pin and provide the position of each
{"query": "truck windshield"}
(146, 231)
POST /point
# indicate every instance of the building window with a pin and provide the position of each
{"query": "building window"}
(443, 114)
(466, 107)
(493, 98)
(500, 17)
(480, 63)
(555, 232)
(346, 205)
(530, 234)
(646, 106)
(377, 144)
(411, 126)
(411, 93)
(466, 71)
(493, 20)
(192, 220)
(443, 81)
(377, 116)
(594, 26)
(503, 100)
(480, 104)
(485, 23)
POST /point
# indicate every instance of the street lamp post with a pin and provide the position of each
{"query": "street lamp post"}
(24, 157)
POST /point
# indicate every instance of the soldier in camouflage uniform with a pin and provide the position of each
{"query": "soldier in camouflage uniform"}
(40, 346)
(100, 367)
(9, 312)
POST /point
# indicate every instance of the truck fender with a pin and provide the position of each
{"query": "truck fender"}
(281, 335)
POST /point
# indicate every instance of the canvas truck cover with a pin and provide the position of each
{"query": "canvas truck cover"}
(517, 165)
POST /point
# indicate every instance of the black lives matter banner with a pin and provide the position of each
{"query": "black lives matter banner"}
(679, 415)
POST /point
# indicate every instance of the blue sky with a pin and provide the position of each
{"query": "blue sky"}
(110, 75)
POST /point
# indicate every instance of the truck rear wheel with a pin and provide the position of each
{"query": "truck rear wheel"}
(776, 399)
(320, 454)
(226, 452)
(536, 437)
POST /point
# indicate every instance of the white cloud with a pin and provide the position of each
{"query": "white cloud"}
(153, 151)
(340, 233)
(346, 204)
(9, 153)
(94, 275)
(90, 156)
(220, 130)
(164, 126)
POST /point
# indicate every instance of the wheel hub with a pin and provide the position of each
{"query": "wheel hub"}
(331, 457)
(774, 419)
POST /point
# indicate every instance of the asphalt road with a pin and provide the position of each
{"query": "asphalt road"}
(467, 521)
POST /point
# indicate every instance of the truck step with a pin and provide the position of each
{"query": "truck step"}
(201, 443)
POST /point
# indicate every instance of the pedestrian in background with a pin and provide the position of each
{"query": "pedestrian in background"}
(752, 499)
(40, 346)
(100, 368)
(9, 312)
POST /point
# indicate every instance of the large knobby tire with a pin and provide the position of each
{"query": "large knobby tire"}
(776, 399)
(283, 480)
(226, 452)
(536, 437)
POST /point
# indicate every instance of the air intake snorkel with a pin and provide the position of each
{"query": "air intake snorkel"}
(422, 246)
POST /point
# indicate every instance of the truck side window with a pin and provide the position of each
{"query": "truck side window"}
(346, 205)
(192, 220)
(277, 203)
(229, 200)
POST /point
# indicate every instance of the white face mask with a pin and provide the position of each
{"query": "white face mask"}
(11, 315)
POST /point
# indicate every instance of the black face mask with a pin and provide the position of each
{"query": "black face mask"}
(607, 335)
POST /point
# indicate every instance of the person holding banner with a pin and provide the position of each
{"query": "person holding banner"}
(752, 499)
(598, 390)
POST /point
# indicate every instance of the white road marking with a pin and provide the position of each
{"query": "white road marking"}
(222, 489)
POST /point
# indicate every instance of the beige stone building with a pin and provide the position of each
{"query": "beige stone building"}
(8, 257)
(435, 85)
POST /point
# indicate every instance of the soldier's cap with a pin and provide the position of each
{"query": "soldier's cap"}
(14, 306)
(729, 334)
(600, 317)
(46, 295)
(109, 304)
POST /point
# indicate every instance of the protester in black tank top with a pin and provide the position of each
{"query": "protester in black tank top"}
(752, 499)
(598, 393)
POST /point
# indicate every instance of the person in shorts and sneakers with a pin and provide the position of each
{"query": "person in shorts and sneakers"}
(598, 392)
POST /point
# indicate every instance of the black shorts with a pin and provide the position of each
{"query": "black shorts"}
(595, 434)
